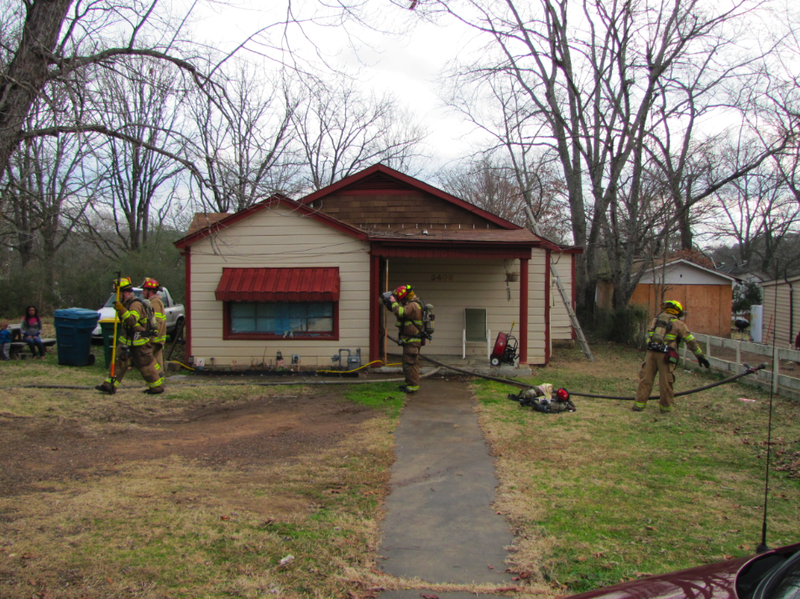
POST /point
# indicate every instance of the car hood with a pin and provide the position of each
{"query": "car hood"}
(712, 581)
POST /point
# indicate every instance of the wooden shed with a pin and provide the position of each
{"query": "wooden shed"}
(303, 277)
(781, 311)
(705, 294)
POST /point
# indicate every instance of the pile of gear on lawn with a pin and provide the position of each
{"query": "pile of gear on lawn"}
(542, 399)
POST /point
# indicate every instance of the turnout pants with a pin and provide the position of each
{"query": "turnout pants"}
(141, 357)
(158, 354)
(411, 365)
(656, 363)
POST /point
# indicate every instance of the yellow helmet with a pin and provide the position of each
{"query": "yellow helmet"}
(123, 283)
(672, 307)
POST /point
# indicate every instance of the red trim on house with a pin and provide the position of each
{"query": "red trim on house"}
(389, 172)
(187, 302)
(472, 252)
(523, 309)
(547, 312)
(255, 208)
(278, 285)
(227, 334)
(374, 307)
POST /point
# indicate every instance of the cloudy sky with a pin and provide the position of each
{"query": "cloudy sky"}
(406, 62)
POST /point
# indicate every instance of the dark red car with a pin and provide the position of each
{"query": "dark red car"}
(774, 574)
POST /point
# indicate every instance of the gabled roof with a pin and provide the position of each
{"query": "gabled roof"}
(502, 235)
(682, 262)
(787, 281)
(407, 182)
(276, 200)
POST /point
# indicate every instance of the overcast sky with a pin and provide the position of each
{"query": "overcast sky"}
(407, 64)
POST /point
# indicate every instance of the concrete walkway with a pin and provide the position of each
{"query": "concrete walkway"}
(440, 525)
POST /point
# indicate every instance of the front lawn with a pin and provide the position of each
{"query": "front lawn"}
(604, 494)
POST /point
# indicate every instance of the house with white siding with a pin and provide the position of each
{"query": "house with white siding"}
(303, 278)
(781, 312)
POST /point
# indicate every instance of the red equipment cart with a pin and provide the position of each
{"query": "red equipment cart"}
(505, 349)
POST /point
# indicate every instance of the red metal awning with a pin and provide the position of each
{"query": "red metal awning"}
(278, 285)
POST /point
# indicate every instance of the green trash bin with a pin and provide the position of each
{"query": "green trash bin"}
(74, 328)
(107, 328)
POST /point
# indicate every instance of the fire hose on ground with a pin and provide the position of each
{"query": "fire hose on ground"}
(748, 370)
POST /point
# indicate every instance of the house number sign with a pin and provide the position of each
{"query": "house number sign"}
(443, 277)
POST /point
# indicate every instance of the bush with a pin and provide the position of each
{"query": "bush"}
(81, 277)
(746, 295)
(627, 327)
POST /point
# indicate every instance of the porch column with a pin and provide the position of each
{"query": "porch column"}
(523, 310)
(187, 302)
(374, 307)
(548, 277)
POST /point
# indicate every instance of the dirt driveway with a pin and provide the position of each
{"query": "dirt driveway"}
(242, 434)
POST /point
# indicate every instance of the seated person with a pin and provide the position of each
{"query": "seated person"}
(5, 341)
(31, 330)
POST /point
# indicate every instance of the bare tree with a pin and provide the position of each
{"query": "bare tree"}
(141, 100)
(241, 141)
(45, 42)
(507, 116)
(46, 191)
(759, 212)
(494, 186)
(593, 73)
(340, 131)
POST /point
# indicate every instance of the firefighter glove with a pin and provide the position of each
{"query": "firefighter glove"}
(703, 361)
(119, 307)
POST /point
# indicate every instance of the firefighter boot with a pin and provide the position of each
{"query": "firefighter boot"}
(105, 388)
(154, 390)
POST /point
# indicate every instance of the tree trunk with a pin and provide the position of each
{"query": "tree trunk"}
(27, 74)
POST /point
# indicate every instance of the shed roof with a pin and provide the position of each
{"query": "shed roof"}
(688, 264)
(789, 281)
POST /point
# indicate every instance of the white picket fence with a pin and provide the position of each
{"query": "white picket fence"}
(786, 386)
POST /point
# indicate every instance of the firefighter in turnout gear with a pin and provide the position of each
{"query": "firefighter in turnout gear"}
(133, 343)
(408, 309)
(150, 289)
(665, 335)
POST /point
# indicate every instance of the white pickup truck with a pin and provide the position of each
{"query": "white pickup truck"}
(175, 312)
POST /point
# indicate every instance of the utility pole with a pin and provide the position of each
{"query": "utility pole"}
(566, 300)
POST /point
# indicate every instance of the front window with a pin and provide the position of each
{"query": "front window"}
(276, 320)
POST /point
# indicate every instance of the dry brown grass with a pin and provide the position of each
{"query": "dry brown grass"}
(594, 497)
(168, 525)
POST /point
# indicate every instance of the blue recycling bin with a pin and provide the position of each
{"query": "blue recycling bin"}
(74, 328)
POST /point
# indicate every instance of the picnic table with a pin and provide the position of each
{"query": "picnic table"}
(19, 349)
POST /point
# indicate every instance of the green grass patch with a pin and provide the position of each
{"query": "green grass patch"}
(605, 494)
(380, 396)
